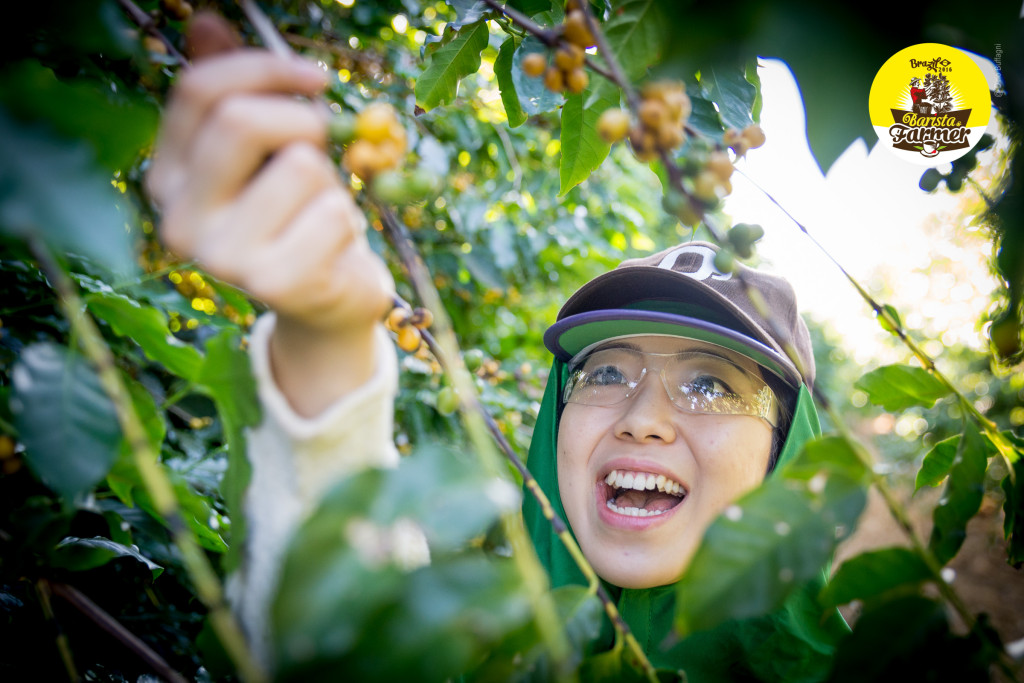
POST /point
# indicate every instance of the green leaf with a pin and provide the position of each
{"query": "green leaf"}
(755, 80)
(467, 11)
(963, 495)
(115, 126)
(530, 7)
(908, 638)
(897, 387)
(52, 188)
(506, 84)
(872, 573)
(636, 34)
(774, 539)
(534, 97)
(147, 327)
(79, 554)
(439, 84)
(68, 424)
(227, 377)
(348, 559)
(936, 464)
(583, 150)
(704, 117)
(1013, 510)
(729, 88)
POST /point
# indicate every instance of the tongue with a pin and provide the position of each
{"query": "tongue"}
(652, 501)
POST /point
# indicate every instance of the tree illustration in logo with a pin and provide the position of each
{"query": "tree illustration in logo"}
(938, 92)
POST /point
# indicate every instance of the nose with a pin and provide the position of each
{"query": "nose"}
(649, 414)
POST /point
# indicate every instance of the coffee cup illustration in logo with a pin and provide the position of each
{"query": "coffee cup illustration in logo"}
(929, 103)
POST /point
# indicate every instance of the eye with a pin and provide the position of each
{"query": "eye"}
(708, 385)
(606, 375)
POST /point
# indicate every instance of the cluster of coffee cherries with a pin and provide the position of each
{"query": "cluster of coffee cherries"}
(748, 138)
(567, 72)
(376, 143)
(376, 140)
(741, 238)
(406, 324)
(661, 117)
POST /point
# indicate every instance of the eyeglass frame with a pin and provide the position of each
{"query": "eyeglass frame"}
(764, 399)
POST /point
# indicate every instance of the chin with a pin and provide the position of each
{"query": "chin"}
(634, 572)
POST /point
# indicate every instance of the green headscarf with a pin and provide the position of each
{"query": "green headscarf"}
(793, 644)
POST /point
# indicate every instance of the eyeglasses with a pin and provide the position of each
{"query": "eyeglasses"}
(696, 381)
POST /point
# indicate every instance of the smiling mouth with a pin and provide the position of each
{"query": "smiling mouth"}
(642, 494)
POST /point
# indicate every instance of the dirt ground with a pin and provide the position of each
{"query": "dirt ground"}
(982, 577)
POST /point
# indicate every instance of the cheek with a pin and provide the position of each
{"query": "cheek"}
(735, 460)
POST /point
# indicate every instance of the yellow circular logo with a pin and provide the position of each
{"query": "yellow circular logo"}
(929, 104)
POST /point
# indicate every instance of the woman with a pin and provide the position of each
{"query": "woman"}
(669, 397)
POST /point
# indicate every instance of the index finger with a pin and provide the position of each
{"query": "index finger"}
(221, 76)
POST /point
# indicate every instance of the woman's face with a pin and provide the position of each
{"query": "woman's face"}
(641, 539)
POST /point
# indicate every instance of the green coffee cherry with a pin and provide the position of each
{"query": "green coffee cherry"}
(422, 184)
(742, 237)
(725, 262)
(342, 128)
(1005, 335)
(391, 187)
(473, 358)
(930, 180)
(447, 401)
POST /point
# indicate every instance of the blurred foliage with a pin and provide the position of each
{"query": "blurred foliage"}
(506, 240)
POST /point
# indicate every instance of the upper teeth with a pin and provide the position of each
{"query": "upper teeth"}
(641, 481)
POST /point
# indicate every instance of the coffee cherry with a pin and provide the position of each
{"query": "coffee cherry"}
(177, 9)
(473, 358)
(569, 57)
(534, 64)
(342, 128)
(705, 187)
(423, 184)
(725, 262)
(652, 113)
(375, 122)
(421, 318)
(409, 338)
(397, 318)
(576, 30)
(679, 205)
(154, 45)
(1005, 335)
(613, 125)
(390, 187)
(930, 180)
(447, 401)
(553, 79)
(734, 139)
(754, 136)
(720, 165)
(742, 237)
(576, 80)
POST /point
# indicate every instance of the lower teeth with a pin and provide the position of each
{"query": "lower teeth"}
(634, 512)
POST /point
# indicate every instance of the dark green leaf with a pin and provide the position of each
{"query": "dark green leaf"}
(636, 34)
(531, 7)
(735, 96)
(1013, 510)
(64, 418)
(115, 126)
(467, 11)
(704, 116)
(897, 387)
(774, 539)
(506, 84)
(439, 84)
(583, 150)
(908, 639)
(79, 554)
(755, 80)
(147, 327)
(53, 189)
(872, 573)
(534, 98)
(936, 464)
(962, 498)
(227, 377)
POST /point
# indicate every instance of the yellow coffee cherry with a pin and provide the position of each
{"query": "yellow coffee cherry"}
(720, 164)
(754, 136)
(375, 122)
(421, 318)
(553, 79)
(576, 80)
(613, 125)
(409, 339)
(534, 64)
(569, 57)
(397, 318)
(576, 30)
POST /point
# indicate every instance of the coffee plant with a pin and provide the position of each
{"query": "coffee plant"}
(125, 388)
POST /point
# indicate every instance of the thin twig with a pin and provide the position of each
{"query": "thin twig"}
(61, 638)
(147, 463)
(146, 23)
(546, 35)
(105, 621)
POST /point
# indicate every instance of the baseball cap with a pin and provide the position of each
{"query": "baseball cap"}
(679, 292)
